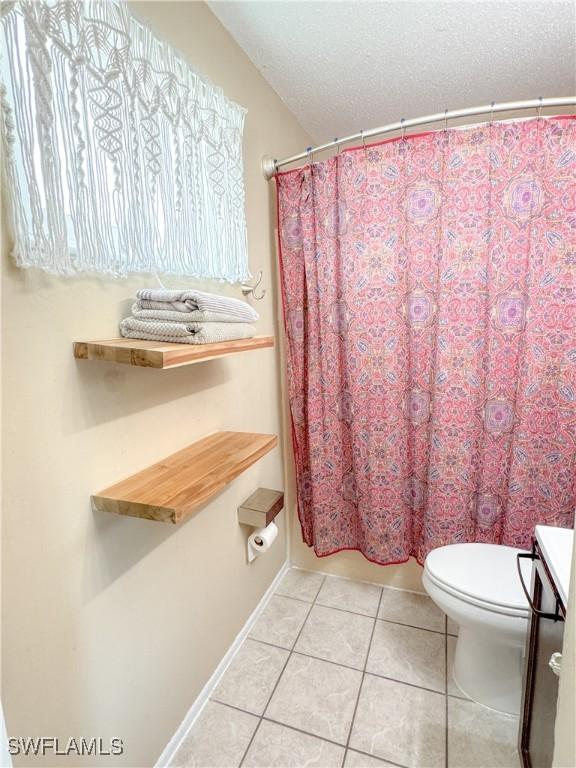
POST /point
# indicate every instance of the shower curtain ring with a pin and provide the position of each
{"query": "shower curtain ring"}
(310, 156)
(445, 120)
(492, 112)
(362, 137)
(337, 145)
(540, 99)
(402, 121)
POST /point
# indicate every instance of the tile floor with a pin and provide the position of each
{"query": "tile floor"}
(343, 674)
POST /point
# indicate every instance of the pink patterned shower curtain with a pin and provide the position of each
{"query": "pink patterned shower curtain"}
(430, 312)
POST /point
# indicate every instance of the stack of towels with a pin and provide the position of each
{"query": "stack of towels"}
(188, 317)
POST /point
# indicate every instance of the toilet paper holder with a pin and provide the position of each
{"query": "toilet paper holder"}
(261, 508)
(259, 511)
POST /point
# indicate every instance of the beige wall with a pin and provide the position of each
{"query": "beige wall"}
(113, 625)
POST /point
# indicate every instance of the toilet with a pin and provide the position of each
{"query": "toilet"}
(478, 587)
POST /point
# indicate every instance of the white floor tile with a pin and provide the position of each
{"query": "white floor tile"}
(415, 656)
(411, 608)
(400, 723)
(336, 636)
(303, 585)
(358, 760)
(250, 679)
(280, 621)
(276, 746)
(478, 737)
(219, 737)
(317, 697)
(350, 595)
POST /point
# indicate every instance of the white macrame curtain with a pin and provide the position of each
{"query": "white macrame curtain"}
(119, 157)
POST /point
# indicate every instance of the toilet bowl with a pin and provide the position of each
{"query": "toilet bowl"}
(478, 587)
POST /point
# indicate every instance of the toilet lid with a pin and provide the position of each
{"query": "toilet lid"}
(484, 572)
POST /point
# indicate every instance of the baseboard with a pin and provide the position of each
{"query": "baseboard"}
(173, 745)
(360, 581)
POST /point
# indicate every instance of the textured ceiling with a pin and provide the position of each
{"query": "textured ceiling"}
(344, 66)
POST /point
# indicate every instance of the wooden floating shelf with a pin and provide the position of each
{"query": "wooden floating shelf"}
(157, 354)
(173, 488)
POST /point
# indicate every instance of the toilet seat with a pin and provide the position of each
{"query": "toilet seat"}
(484, 575)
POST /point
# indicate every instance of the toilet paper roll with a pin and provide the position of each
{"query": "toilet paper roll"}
(261, 540)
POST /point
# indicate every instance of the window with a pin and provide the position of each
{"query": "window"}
(120, 158)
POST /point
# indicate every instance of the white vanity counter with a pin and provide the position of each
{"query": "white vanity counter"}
(556, 545)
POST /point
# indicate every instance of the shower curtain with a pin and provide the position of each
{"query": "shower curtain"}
(430, 311)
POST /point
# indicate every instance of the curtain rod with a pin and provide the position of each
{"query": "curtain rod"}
(270, 166)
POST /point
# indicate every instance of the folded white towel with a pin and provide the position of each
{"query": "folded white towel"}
(195, 315)
(191, 301)
(185, 332)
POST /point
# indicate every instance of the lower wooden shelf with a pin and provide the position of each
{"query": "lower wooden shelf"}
(173, 488)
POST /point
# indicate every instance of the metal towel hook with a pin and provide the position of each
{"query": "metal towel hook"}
(248, 289)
